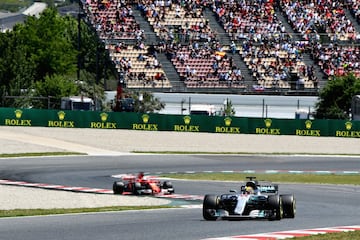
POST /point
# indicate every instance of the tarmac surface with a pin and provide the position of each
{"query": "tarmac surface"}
(119, 142)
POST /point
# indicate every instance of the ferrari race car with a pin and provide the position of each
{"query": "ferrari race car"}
(256, 200)
(142, 185)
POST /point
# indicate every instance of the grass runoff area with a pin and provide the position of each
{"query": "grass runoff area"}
(334, 236)
(37, 212)
(38, 154)
(323, 178)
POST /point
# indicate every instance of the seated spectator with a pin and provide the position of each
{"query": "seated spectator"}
(233, 47)
(141, 57)
(159, 76)
(156, 63)
(148, 65)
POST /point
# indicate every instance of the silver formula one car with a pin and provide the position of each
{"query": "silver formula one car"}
(255, 200)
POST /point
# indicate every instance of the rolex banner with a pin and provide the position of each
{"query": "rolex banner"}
(177, 123)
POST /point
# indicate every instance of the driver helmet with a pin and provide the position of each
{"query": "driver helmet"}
(249, 190)
(141, 175)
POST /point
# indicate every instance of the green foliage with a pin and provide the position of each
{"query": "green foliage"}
(333, 236)
(44, 51)
(16, 70)
(228, 108)
(34, 50)
(335, 97)
(145, 102)
(55, 87)
(46, 39)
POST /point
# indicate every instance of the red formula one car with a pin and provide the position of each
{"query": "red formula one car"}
(142, 185)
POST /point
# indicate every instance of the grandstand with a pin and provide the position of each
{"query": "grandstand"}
(248, 47)
(282, 47)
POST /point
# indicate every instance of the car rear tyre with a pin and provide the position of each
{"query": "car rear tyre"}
(289, 205)
(210, 204)
(118, 187)
(275, 204)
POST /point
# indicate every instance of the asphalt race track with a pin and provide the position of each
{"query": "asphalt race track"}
(317, 205)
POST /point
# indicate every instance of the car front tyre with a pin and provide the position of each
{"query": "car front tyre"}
(168, 186)
(210, 205)
(276, 205)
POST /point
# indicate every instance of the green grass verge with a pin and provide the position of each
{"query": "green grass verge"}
(334, 236)
(36, 212)
(38, 154)
(279, 177)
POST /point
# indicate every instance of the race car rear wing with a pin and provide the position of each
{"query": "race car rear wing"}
(260, 186)
(269, 188)
(264, 188)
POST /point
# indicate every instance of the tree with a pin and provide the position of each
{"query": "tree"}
(145, 102)
(335, 98)
(55, 86)
(16, 70)
(37, 48)
(46, 48)
(228, 108)
(47, 44)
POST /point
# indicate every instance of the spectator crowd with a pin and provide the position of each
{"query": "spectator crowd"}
(325, 30)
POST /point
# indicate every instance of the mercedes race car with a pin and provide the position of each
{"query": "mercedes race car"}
(255, 200)
(142, 185)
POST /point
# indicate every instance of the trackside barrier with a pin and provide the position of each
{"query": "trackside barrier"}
(179, 123)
